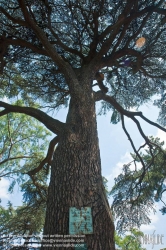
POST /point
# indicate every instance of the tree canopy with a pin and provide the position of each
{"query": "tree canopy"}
(48, 42)
(43, 40)
(23, 144)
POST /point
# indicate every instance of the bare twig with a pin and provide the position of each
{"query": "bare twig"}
(132, 144)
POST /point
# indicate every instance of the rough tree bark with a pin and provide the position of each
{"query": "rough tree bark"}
(76, 179)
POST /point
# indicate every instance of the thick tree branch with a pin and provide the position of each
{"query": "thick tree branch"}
(62, 64)
(52, 124)
(64, 46)
(138, 31)
(152, 123)
(4, 112)
(113, 30)
(18, 41)
(101, 96)
(48, 157)
(110, 60)
(14, 20)
(25, 44)
(100, 77)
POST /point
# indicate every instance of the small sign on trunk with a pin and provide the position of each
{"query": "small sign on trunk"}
(80, 221)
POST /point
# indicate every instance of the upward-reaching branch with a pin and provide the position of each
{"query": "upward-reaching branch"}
(52, 124)
(109, 34)
(64, 66)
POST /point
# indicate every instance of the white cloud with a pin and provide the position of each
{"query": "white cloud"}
(162, 135)
(133, 109)
(149, 227)
(4, 188)
(115, 171)
(125, 159)
(5, 99)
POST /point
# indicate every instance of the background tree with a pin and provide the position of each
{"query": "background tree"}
(137, 189)
(59, 48)
(130, 242)
(18, 225)
(22, 148)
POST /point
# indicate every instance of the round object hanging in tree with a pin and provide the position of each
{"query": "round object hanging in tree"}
(140, 42)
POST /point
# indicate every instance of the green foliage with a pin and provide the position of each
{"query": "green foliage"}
(23, 146)
(129, 242)
(131, 79)
(23, 220)
(136, 190)
(115, 118)
(105, 186)
(23, 142)
(17, 224)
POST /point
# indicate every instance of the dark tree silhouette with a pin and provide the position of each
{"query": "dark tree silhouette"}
(77, 53)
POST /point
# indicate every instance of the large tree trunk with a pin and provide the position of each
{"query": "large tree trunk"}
(76, 179)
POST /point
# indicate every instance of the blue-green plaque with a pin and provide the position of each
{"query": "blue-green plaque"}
(80, 221)
(80, 247)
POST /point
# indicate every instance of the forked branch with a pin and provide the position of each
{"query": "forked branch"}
(132, 144)
(99, 96)
(65, 67)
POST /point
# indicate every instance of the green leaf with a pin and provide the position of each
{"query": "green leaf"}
(115, 118)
